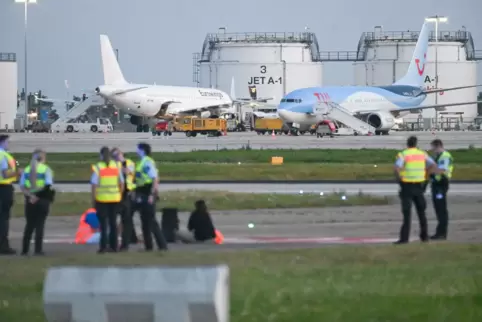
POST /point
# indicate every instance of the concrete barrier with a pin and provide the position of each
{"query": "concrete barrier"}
(140, 294)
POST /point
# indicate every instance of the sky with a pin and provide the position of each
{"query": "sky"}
(156, 39)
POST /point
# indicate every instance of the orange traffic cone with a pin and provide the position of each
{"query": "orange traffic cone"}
(219, 239)
(273, 134)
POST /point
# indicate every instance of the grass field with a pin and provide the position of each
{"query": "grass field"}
(259, 171)
(357, 156)
(76, 203)
(361, 164)
(416, 283)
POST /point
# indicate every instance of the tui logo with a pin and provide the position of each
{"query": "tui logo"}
(417, 62)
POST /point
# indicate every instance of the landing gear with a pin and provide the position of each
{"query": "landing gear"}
(381, 132)
(142, 128)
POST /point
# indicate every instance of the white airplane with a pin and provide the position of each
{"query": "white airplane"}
(376, 105)
(148, 103)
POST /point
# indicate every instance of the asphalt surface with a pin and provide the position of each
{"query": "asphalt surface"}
(292, 228)
(92, 142)
(380, 189)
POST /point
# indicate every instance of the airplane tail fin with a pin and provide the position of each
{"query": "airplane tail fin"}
(112, 72)
(416, 70)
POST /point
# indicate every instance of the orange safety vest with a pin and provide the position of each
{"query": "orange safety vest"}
(219, 238)
(84, 232)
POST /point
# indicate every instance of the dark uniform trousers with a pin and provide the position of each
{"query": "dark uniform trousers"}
(439, 199)
(35, 215)
(150, 226)
(127, 210)
(6, 203)
(413, 193)
(107, 215)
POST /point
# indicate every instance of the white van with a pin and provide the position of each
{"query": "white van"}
(81, 124)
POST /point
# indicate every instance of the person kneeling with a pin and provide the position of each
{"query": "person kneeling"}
(200, 226)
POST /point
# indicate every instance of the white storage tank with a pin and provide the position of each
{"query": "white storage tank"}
(276, 63)
(8, 90)
(388, 55)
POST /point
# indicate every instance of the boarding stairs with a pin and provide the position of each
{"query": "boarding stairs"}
(336, 112)
(79, 109)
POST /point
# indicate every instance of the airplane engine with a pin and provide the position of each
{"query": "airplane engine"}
(136, 120)
(381, 121)
(205, 114)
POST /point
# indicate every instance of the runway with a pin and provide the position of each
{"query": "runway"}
(382, 189)
(290, 228)
(90, 142)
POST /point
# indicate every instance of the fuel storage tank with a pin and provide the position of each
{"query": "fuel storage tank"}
(8, 90)
(276, 63)
(387, 56)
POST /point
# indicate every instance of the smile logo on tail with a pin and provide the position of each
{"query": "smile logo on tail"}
(417, 61)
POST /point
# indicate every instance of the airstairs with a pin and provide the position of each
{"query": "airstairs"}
(336, 112)
(79, 109)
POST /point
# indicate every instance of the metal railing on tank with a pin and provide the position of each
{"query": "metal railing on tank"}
(214, 39)
(461, 36)
(12, 57)
(338, 56)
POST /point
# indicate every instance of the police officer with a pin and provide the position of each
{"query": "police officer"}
(411, 168)
(146, 196)
(36, 184)
(440, 186)
(8, 175)
(126, 210)
(107, 187)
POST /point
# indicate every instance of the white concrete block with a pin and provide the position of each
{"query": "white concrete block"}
(140, 294)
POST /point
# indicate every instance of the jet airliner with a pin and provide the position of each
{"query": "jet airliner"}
(377, 106)
(148, 103)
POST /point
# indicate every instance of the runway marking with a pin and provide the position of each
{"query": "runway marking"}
(275, 240)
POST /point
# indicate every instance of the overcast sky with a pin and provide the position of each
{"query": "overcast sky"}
(156, 38)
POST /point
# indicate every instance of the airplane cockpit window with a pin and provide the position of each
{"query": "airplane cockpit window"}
(291, 100)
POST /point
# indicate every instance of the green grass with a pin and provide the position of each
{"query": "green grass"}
(266, 171)
(356, 156)
(361, 164)
(414, 283)
(76, 203)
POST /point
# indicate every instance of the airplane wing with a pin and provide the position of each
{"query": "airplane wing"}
(438, 107)
(432, 91)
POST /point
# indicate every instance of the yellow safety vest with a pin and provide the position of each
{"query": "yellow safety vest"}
(414, 169)
(142, 178)
(108, 190)
(444, 156)
(130, 177)
(12, 165)
(42, 169)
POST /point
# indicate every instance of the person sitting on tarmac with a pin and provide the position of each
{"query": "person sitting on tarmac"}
(200, 226)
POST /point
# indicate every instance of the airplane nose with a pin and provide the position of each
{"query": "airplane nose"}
(283, 113)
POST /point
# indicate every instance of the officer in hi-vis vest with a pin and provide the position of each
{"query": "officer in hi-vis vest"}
(107, 183)
(126, 206)
(440, 186)
(411, 169)
(146, 196)
(36, 184)
(8, 175)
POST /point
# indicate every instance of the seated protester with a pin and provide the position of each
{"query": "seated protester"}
(200, 226)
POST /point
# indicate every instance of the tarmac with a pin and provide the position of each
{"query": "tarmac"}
(178, 142)
(291, 228)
